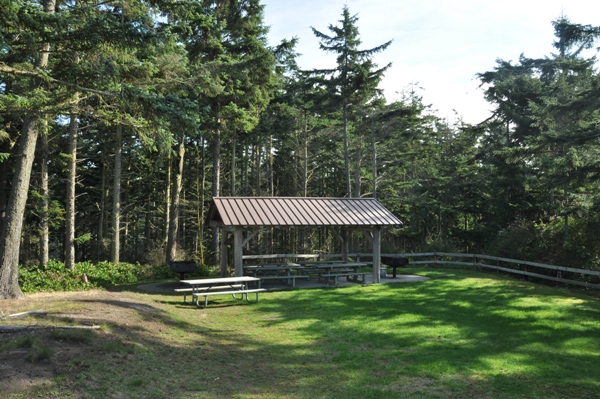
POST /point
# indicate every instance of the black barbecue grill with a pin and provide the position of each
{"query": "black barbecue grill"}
(394, 262)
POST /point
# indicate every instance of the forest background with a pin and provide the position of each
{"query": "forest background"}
(120, 120)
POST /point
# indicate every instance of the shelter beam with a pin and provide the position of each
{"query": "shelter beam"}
(251, 236)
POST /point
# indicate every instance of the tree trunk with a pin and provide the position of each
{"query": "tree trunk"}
(271, 161)
(100, 248)
(4, 186)
(346, 154)
(374, 150)
(216, 189)
(10, 235)
(116, 208)
(233, 151)
(305, 151)
(45, 194)
(357, 170)
(148, 223)
(134, 236)
(168, 200)
(258, 170)
(566, 217)
(125, 220)
(175, 206)
(246, 160)
(201, 185)
(70, 201)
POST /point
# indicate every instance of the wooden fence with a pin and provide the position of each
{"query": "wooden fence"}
(562, 274)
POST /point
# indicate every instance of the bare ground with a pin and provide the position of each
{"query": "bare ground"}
(38, 356)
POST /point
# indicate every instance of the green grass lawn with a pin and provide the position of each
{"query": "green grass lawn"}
(462, 334)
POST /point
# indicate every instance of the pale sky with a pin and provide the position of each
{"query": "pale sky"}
(438, 44)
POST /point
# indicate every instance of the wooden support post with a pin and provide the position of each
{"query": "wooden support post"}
(223, 253)
(238, 251)
(376, 256)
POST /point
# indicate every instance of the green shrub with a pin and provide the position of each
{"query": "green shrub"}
(54, 278)
(107, 274)
(100, 275)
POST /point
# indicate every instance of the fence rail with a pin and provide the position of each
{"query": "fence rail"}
(476, 261)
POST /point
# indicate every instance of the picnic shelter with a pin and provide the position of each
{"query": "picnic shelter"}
(244, 217)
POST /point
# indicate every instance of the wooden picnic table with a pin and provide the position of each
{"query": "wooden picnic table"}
(333, 271)
(317, 263)
(273, 268)
(219, 286)
(330, 267)
(288, 272)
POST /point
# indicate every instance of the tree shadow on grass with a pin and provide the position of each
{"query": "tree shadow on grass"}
(463, 335)
(508, 336)
(158, 351)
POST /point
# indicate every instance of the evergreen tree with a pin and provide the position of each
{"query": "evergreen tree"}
(542, 140)
(355, 79)
(230, 39)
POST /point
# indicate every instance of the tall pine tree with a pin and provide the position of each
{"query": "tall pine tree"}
(354, 81)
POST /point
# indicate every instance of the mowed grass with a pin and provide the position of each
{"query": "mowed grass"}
(462, 334)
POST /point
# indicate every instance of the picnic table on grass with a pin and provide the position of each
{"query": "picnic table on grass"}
(206, 287)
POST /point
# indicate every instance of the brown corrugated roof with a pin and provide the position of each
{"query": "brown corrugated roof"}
(299, 211)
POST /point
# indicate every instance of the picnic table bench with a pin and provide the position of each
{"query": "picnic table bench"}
(233, 286)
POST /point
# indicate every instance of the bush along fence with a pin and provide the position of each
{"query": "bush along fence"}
(561, 274)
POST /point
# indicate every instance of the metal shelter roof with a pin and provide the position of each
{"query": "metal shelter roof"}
(299, 211)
